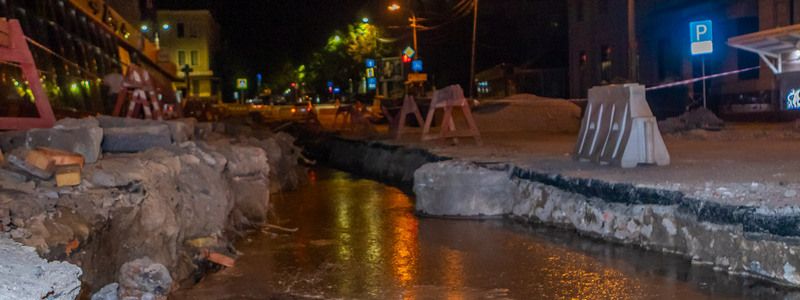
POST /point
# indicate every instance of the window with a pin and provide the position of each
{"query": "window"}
(196, 87)
(181, 58)
(181, 30)
(605, 63)
(194, 57)
(579, 10)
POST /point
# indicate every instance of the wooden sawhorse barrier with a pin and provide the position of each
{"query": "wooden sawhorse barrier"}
(14, 49)
(138, 90)
(447, 99)
(397, 123)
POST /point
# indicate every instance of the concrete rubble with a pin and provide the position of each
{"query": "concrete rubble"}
(169, 202)
(24, 275)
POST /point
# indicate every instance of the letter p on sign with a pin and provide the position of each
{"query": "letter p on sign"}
(701, 37)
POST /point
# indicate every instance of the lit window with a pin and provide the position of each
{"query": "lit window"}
(194, 57)
(181, 57)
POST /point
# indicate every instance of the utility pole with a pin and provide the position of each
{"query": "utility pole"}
(633, 52)
(474, 50)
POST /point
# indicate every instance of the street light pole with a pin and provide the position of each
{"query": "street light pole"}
(414, 29)
(474, 50)
(633, 52)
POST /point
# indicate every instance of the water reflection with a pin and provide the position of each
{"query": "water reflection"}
(360, 240)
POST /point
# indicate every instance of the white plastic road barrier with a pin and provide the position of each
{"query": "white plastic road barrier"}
(619, 129)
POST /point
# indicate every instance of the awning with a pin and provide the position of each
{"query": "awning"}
(777, 46)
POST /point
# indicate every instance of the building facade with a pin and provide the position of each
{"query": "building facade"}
(190, 38)
(76, 44)
(601, 51)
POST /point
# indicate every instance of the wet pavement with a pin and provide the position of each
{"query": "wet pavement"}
(359, 239)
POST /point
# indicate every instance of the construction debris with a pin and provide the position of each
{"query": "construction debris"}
(169, 201)
(68, 175)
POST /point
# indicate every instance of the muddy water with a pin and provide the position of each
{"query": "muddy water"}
(359, 239)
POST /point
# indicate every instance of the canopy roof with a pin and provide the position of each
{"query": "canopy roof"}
(774, 46)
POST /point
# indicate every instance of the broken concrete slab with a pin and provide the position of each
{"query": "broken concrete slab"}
(24, 275)
(23, 165)
(459, 188)
(108, 292)
(84, 141)
(182, 129)
(246, 160)
(202, 129)
(136, 139)
(11, 140)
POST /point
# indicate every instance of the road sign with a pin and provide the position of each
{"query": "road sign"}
(409, 52)
(416, 66)
(241, 83)
(701, 37)
(370, 72)
(369, 62)
(417, 77)
(372, 83)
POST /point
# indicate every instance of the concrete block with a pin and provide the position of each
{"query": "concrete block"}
(84, 140)
(21, 164)
(246, 160)
(136, 139)
(114, 122)
(202, 129)
(70, 123)
(182, 129)
(457, 188)
(11, 140)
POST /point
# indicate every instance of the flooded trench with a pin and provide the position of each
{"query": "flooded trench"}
(360, 239)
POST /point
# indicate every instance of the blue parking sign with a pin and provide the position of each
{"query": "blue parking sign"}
(416, 66)
(701, 37)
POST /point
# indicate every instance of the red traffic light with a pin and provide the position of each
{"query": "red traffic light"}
(294, 84)
(406, 59)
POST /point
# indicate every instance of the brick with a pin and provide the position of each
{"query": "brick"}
(68, 175)
(56, 156)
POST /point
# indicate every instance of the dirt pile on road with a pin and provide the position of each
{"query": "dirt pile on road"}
(529, 113)
(174, 204)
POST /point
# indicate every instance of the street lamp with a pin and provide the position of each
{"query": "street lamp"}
(395, 7)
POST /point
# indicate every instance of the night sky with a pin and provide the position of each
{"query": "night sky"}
(261, 35)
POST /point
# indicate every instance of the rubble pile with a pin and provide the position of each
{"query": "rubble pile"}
(698, 118)
(149, 193)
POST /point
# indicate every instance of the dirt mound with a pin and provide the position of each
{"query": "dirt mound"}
(529, 113)
(698, 118)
